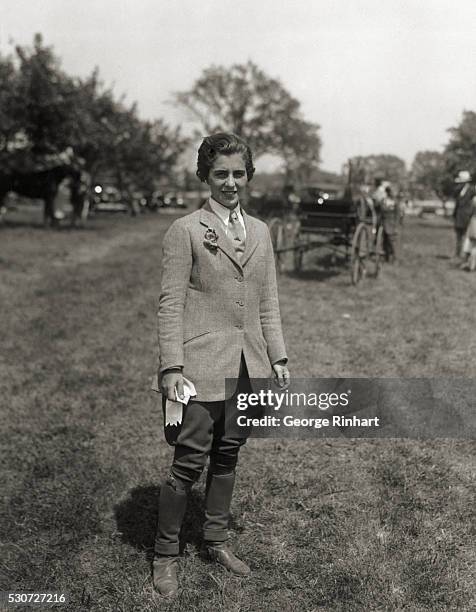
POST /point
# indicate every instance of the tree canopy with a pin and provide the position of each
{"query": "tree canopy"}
(460, 152)
(384, 166)
(244, 100)
(434, 171)
(429, 175)
(44, 111)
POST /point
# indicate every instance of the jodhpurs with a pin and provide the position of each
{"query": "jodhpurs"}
(204, 434)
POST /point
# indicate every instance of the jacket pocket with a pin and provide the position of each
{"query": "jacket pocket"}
(190, 338)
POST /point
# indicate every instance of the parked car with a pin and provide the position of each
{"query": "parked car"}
(429, 207)
(155, 200)
(107, 198)
(174, 199)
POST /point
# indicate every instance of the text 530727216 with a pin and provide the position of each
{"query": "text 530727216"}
(14, 598)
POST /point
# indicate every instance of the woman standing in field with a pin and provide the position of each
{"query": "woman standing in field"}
(218, 318)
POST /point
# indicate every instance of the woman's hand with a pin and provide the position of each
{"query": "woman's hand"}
(170, 382)
(281, 373)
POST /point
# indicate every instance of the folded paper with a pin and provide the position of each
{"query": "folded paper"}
(174, 409)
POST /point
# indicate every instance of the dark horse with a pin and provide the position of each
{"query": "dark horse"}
(44, 185)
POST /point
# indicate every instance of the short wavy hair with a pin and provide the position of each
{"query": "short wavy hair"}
(223, 143)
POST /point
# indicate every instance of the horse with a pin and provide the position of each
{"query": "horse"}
(44, 185)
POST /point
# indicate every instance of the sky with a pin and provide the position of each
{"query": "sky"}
(378, 76)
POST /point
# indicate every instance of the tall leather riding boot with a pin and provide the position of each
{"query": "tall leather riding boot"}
(215, 528)
(172, 505)
(217, 506)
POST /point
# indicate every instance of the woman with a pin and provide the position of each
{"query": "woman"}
(218, 319)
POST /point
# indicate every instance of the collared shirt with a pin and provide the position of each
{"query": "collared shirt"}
(224, 214)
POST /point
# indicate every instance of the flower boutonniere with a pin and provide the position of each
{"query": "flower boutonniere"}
(211, 239)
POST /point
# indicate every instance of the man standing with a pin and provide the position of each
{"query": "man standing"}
(391, 218)
(218, 318)
(463, 208)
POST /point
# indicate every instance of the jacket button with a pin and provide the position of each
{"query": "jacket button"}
(239, 279)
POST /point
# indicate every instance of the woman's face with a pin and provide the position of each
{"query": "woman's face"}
(227, 179)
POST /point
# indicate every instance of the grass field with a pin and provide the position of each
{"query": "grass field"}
(327, 525)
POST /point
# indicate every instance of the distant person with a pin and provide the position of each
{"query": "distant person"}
(369, 206)
(390, 215)
(469, 243)
(80, 187)
(379, 194)
(463, 209)
(291, 199)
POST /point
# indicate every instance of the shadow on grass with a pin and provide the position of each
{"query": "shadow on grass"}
(137, 517)
(321, 267)
(315, 274)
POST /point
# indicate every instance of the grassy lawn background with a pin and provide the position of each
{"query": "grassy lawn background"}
(326, 525)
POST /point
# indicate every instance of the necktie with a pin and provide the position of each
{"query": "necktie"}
(236, 233)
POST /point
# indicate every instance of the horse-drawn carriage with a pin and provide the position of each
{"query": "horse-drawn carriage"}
(326, 217)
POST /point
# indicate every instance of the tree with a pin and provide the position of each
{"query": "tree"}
(244, 100)
(429, 175)
(12, 135)
(46, 99)
(44, 112)
(460, 152)
(387, 167)
(300, 150)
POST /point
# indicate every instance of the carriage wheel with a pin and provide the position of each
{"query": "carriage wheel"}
(377, 253)
(276, 229)
(359, 253)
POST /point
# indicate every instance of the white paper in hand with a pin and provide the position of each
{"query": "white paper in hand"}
(174, 409)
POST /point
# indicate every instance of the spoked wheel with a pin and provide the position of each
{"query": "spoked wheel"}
(276, 229)
(359, 253)
(377, 254)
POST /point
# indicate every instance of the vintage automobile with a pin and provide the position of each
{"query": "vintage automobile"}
(174, 199)
(107, 198)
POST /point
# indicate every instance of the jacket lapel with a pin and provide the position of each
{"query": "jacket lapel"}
(251, 237)
(209, 219)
